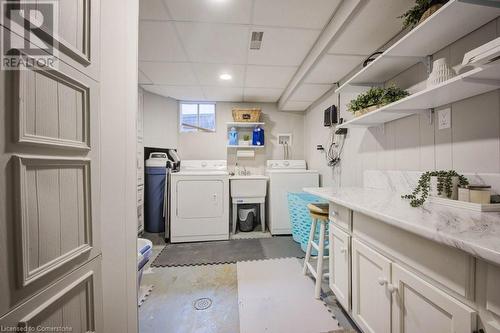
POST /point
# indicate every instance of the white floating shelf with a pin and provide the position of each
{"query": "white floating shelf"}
(244, 124)
(454, 20)
(250, 146)
(472, 83)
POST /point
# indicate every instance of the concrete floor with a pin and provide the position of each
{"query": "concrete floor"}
(169, 308)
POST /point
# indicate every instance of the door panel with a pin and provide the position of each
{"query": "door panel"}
(340, 273)
(420, 307)
(54, 109)
(200, 199)
(55, 213)
(74, 301)
(371, 302)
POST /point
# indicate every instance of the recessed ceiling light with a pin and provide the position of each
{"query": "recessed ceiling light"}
(225, 77)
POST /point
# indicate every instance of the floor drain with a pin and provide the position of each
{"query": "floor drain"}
(202, 303)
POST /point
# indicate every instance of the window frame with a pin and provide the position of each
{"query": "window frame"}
(196, 130)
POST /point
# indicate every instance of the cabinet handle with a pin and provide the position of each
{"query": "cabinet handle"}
(392, 288)
(343, 250)
(382, 281)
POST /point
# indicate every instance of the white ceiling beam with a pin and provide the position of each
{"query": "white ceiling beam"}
(345, 11)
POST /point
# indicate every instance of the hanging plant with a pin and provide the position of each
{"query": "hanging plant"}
(416, 14)
(376, 97)
(444, 185)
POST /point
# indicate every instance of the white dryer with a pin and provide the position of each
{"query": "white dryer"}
(200, 201)
(286, 176)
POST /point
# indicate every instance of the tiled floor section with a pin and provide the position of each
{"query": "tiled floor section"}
(169, 308)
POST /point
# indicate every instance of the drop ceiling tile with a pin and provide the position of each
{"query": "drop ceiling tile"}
(214, 43)
(360, 37)
(221, 11)
(309, 92)
(268, 76)
(143, 79)
(223, 94)
(296, 106)
(208, 74)
(261, 94)
(294, 13)
(158, 42)
(182, 93)
(166, 73)
(282, 46)
(331, 68)
(152, 10)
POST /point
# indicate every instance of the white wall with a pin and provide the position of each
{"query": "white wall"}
(200, 145)
(161, 120)
(161, 116)
(119, 27)
(471, 145)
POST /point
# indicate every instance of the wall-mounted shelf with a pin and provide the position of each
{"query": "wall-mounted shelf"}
(454, 20)
(243, 124)
(250, 146)
(472, 83)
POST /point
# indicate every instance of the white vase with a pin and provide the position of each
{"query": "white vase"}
(441, 72)
(433, 191)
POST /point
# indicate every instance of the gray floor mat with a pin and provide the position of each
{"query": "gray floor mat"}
(230, 251)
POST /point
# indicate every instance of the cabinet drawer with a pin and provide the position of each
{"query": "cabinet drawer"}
(341, 216)
(340, 265)
(452, 268)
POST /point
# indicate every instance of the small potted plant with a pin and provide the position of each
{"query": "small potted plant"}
(246, 140)
(443, 184)
(422, 10)
(374, 99)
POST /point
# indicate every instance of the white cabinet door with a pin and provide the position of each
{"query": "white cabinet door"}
(371, 301)
(340, 275)
(420, 307)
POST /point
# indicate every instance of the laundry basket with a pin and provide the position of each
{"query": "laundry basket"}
(300, 219)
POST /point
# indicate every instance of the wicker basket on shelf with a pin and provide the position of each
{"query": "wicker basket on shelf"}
(246, 115)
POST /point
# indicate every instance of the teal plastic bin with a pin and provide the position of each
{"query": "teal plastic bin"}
(300, 219)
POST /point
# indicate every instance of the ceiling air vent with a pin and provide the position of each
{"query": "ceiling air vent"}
(256, 41)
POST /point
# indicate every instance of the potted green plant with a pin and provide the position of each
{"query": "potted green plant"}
(436, 183)
(374, 99)
(246, 140)
(420, 12)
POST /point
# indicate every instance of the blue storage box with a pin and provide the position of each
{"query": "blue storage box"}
(300, 219)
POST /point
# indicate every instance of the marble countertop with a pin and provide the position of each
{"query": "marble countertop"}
(473, 232)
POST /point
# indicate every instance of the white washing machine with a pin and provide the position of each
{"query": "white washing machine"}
(199, 201)
(286, 176)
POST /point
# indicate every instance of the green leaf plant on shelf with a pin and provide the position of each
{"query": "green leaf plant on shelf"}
(422, 10)
(375, 98)
(446, 184)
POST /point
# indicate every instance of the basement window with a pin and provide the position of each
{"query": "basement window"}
(197, 117)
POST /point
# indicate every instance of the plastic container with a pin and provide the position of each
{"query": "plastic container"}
(258, 136)
(300, 219)
(233, 137)
(246, 218)
(144, 252)
(156, 175)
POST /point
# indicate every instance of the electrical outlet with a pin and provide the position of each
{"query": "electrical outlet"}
(444, 118)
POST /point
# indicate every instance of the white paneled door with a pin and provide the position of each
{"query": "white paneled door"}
(50, 257)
